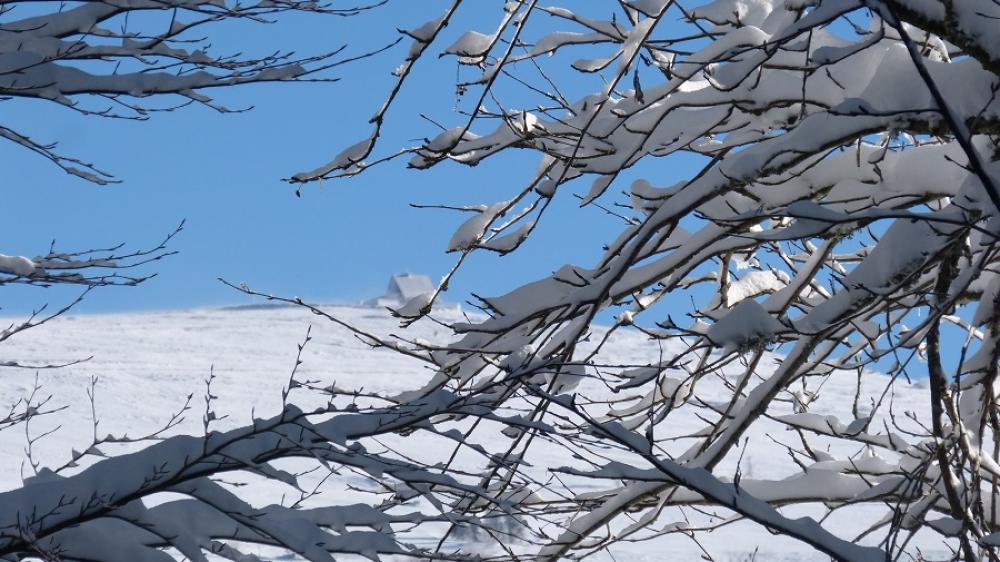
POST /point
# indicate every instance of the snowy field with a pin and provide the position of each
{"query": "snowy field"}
(147, 364)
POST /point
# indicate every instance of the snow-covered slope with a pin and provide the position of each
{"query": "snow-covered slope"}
(147, 364)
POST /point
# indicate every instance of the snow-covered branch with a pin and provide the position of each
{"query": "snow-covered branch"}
(106, 58)
(849, 159)
(840, 229)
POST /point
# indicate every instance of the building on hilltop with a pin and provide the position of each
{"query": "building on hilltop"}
(403, 287)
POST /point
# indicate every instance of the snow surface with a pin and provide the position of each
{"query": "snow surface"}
(16, 265)
(148, 363)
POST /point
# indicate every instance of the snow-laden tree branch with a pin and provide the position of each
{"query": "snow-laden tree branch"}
(844, 218)
(110, 59)
(843, 223)
(104, 58)
(61, 516)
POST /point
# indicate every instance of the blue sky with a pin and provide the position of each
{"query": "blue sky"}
(222, 174)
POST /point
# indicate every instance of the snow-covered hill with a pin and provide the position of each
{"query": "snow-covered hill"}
(146, 365)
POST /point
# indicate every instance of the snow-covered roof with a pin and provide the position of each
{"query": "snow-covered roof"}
(405, 286)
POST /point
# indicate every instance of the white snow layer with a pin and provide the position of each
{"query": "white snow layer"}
(148, 363)
(16, 265)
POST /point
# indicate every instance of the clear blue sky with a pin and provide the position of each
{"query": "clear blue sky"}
(222, 173)
(339, 242)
